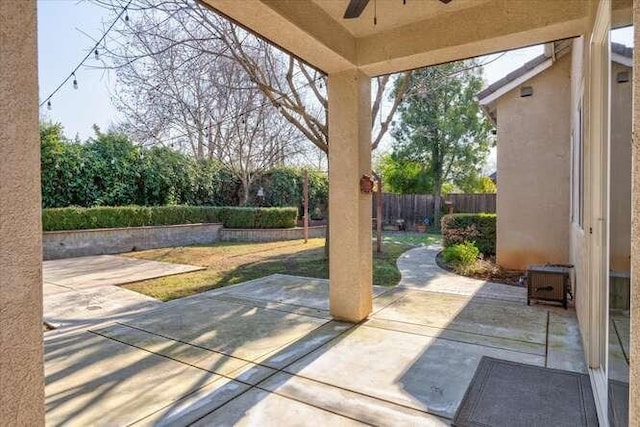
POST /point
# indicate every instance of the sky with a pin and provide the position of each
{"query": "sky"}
(67, 30)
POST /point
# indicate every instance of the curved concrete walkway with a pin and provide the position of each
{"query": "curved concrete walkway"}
(420, 271)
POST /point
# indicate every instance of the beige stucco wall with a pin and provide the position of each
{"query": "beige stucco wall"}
(350, 267)
(407, 36)
(21, 358)
(634, 365)
(533, 171)
(620, 210)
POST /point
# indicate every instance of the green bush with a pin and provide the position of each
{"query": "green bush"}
(110, 170)
(75, 218)
(461, 254)
(464, 227)
(283, 186)
(249, 217)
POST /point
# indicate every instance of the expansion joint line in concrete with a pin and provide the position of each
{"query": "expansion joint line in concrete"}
(546, 343)
(452, 330)
(281, 370)
(460, 294)
(229, 374)
(252, 302)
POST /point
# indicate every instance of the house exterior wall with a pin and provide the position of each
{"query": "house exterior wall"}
(579, 255)
(620, 211)
(21, 352)
(634, 346)
(533, 169)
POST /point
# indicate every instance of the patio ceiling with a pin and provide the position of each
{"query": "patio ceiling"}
(411, 35)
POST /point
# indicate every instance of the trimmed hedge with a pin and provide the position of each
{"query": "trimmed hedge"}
(465, 227)
(240, 217)
(75, 218)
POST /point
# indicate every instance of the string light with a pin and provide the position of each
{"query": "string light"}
(96, 53)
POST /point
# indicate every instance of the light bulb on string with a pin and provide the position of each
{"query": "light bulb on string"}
(123, 14)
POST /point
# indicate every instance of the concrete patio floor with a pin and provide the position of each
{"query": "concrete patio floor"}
(266, 352)
(84, 291)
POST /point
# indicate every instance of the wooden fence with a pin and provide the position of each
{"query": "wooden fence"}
(413, 208)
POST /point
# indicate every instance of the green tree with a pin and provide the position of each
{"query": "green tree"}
(404, 176)
(66, 169)
(478, 184)
(441, 128)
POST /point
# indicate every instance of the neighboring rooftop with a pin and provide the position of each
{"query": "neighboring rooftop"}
(621, 49)
(518, 72)
(559, 48)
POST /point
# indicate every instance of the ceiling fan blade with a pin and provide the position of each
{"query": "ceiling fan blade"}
(355, 8)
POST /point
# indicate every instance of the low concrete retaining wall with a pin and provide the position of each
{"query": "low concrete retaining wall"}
(268, 235)
(75, 243)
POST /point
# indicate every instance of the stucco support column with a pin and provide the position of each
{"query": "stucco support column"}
(349, 209)
(21, 358)
(634, 362)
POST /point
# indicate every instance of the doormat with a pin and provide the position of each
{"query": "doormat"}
(509, 394)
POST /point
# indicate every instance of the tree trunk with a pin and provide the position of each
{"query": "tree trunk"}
(437, 206)
(437, 185)
(244, 197)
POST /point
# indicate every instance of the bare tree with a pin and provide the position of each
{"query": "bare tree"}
(198, 101)
(255, 140)
(295, 88)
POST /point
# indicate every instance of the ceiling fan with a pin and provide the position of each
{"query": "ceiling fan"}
(355, 8)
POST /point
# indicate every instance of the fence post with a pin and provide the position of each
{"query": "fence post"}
(305, 191)
(378, 213)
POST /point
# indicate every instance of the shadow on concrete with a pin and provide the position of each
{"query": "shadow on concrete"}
(99, 377)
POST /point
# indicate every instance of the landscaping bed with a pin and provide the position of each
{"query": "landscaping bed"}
(469, 249)
(484, 269)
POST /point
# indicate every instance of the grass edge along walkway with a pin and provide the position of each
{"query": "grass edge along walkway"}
(229, 263)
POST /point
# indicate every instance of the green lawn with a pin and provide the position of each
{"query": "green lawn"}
(410, 238)
(231, 263)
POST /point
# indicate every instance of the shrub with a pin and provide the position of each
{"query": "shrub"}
(479, 228)
(461, 254)
(75, 218)
(283, 186)
(250, 217)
